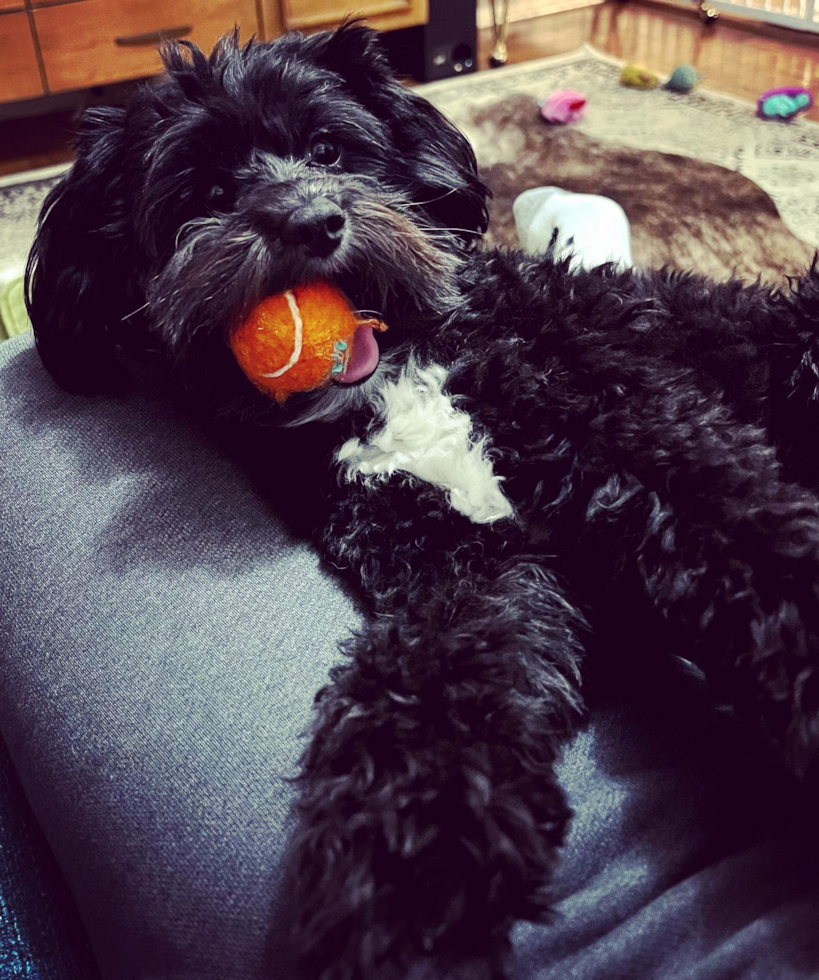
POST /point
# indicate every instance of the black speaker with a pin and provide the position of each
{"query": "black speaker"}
(445, 46)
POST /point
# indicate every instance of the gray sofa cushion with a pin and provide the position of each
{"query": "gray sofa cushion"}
(41, 936)
(162, 641)
(162, 637)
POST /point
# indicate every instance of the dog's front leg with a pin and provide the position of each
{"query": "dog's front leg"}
(729, 553)
(431, 816)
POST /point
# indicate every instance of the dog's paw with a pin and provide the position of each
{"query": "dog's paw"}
(417, 873)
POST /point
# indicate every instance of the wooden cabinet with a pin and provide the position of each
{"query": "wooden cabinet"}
(82, 43)
(92, 42)
(19, 71)
(384, 14)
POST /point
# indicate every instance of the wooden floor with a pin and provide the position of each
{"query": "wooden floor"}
(732, 57)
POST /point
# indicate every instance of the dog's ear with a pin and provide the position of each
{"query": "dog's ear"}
(434, 157)
(353, 51)
(77, 276)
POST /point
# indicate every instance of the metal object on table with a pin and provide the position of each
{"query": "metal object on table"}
(500, 29)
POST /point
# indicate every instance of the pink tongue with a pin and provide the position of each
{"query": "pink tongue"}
(363, 356)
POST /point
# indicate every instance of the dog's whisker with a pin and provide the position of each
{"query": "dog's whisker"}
(432, 200)
(370, 138)
(410, 236)
(460, 231)
(139, 309)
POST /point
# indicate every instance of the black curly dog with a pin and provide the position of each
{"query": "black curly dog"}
(537, 450)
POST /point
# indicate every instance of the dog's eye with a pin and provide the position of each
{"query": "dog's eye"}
(325, 153)
(216, 194)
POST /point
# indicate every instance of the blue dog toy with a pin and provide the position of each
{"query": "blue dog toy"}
(783, 103)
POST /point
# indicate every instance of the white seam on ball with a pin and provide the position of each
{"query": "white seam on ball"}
(298, 325)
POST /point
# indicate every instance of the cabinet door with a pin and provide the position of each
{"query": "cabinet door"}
(92, 42)
(384, 14)
(19, 73)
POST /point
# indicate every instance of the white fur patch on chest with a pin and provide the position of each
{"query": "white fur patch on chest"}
(425, 436)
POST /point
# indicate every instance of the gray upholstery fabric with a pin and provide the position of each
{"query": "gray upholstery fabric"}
(162, 642)
(162, 638)
(41, 936)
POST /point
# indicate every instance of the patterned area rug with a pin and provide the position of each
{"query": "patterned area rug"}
(706, 185)
(703, 181)
(21, 197)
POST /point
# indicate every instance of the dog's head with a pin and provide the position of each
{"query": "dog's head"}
(238, 176)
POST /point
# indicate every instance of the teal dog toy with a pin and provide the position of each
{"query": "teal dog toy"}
(783, 103)
(682, 79)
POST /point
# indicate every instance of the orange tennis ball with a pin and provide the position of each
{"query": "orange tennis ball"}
(302, 339)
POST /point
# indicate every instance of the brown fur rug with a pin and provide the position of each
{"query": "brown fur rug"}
(683, 212)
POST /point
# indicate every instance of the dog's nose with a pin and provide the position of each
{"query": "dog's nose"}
(318, 225)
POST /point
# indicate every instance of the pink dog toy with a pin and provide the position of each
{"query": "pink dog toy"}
(564, 106)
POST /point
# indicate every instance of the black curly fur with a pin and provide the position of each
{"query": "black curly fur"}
(655, 432)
